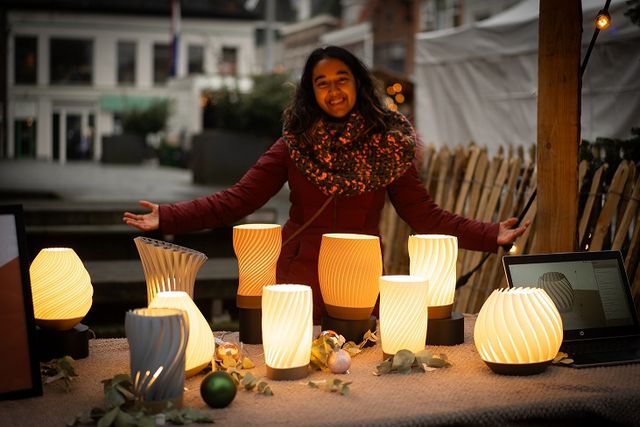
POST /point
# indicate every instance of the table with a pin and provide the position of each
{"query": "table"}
(466, 394)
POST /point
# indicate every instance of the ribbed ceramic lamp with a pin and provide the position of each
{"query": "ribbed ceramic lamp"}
(201, 345)
(62, 295)
(168, 267)
(403, 313)
(434, 256)
(257, 248)
(518, 331)
(559, 289)
(157, 340)
(287, 330)
(61, 288)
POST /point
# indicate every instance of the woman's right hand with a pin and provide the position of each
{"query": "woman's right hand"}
(145, 222)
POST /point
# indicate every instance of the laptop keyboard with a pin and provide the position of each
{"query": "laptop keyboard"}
(603, 352)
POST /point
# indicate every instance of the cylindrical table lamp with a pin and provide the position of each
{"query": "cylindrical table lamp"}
(201, 345)
(257, 247)
(518, 331)
(287, 330)
(157, 342)
(62, 295)
(434, 256)
(403, 313)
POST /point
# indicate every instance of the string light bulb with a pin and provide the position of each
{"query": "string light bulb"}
(603, 20)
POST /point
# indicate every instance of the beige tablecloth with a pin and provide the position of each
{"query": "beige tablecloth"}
(466, 394)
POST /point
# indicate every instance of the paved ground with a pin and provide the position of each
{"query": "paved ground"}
(37, 183)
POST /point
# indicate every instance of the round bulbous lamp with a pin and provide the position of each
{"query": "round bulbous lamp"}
(518, 331)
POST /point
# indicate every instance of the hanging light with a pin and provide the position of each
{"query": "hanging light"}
(603, 20)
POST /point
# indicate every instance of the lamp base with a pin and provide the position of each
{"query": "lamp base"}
(449, 331)
(351, 330)
(250, 324)
(54, 344)
(521, 369)
(287, 374)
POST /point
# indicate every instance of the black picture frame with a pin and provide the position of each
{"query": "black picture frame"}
(19, 365)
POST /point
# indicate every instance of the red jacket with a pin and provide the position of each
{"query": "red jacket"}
(298, 262)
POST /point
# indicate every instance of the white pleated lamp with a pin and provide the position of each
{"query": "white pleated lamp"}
(287, 330)
(403, 313)
(559, 289)
(157, 340)
(434, 257)
(349, 266)
(257, 248)
(518, 331)
(201, 346)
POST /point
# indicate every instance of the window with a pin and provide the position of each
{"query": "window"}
(196, 59)
(26, 60)
(71, 61)
(161, 63)
(126, 63)
(228, 61)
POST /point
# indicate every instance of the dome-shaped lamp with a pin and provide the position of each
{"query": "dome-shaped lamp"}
(257, 247)
(62, 295)
(559, 289)
(403, 313)
(349, 266)
(157, 340)
(518, 331)
(434, 256)
(201, 346)
(287, 330)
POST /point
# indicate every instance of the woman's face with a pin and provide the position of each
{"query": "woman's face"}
(334, 87)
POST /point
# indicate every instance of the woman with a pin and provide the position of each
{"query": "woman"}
(341, 152)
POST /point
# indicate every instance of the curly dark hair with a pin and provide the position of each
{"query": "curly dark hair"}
(303, 110)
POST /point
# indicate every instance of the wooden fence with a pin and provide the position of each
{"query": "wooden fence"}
(468, 182)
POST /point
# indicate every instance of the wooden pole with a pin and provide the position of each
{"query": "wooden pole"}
(559, 85)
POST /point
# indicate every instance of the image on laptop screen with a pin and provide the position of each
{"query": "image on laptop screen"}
(590, 290)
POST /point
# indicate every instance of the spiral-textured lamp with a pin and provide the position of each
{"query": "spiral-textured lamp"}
(403, 313)
(518, 331)
(168, 267)
(349, 266)
(62, 295)
(157, 340)
(559, 289)
(287, 330)
(434, 256)
(257, 248)
(201, 345)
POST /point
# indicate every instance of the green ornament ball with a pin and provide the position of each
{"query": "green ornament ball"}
(218, 389)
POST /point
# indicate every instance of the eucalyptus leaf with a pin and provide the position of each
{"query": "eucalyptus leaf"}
(567, 361)
(247, 363)
(124, 419)
(228, 362)
(403, 360)
(436, 362)
(263, 388)
(384, 367)
(249, 381)
(109, 418)
(424, 356)
(313, 384)
(113, 398)
(561, 355)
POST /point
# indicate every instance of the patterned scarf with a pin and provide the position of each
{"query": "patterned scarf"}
(345, 161)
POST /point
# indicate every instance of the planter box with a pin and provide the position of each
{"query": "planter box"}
(223, 157)
(126, 148)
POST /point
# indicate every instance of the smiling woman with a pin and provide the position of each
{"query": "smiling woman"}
(334, 87)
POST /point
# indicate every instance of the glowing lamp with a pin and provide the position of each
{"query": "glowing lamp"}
(61, 288)
(518, 331)
(201, 346)
(257, 248)
(168, 267)
(603, 20)
(403, 313)
(559, 289)
(434, 256)
(157, 340)
(287, 330)
(349, 266)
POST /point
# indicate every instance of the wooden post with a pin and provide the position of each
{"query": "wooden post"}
(559, 85)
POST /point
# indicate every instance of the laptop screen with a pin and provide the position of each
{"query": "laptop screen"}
(590, 289)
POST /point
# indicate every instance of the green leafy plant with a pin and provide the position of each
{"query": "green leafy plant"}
(246, 381)
(404, 361)
(62, 369)
(333, 385)
(144, 121)
(323, 346)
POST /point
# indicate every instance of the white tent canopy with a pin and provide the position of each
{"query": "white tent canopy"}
(479, 83)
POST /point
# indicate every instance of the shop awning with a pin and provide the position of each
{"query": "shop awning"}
(120, 103)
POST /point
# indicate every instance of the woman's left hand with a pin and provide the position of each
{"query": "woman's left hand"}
(506, 234)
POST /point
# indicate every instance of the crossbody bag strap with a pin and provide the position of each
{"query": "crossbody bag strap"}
(310, 220)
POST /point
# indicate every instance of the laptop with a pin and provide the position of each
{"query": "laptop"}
(592, 293)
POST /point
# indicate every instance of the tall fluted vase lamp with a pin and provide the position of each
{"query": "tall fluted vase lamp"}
(257, 248)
